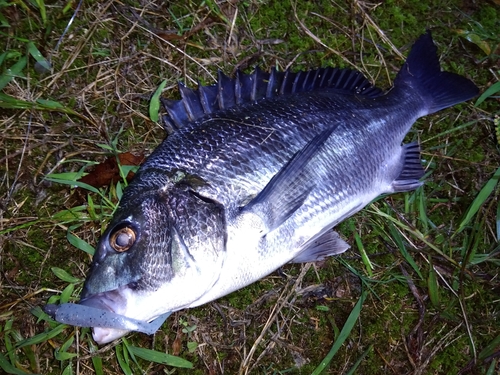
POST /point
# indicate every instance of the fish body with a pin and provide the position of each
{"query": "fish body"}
(256, 173)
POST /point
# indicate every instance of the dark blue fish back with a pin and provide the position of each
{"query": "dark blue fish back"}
(249, 88)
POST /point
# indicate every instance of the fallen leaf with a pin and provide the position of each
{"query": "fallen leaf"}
(108, 172)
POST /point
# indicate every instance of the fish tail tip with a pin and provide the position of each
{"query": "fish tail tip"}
(422, 71)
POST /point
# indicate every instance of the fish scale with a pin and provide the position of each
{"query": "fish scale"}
(248, 128)
(255, 173)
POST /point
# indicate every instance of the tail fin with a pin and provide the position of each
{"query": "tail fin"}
(423, 73)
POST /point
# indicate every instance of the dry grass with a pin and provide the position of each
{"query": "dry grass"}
(105, 68)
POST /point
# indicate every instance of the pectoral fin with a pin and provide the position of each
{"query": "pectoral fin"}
(288, 189)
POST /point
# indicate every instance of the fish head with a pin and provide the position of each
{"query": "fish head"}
(162, 251)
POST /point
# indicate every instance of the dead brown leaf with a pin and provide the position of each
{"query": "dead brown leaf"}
(108, 171)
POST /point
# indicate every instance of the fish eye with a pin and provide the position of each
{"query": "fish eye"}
(122, 239)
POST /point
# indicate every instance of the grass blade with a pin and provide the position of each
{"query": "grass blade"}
(359, 360)
(433, 287)
(492, 90)
(3, 22)
(2, 55)
(73, 184)
(52, 104)
(364, 256)
(64, 276)
(490, 349)
(8, 343)
(159, 357)
(122, 361)
(9, 368)
(492, 368)
(344, 334)
(14, 71)
(68, 370)
(9, 102)
(66, 293)
(396, 236)
(154, 105)
(37, 55)
(479, 201)
(96, 359)
(498, 221)
(43, 11)
(61, 353)
(42, 337)
(79, 184)
(80, 244)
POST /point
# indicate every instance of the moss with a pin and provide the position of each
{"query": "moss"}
(489, 18)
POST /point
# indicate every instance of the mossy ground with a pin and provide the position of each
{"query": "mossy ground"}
(433, 299)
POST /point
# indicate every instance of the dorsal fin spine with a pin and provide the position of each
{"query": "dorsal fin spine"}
(270, 84)
(248, 88)
(208, 98)
(225, 95)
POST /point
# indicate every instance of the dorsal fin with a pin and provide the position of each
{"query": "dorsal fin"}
(259, 85)
(208, 97)
(192, 102)
(273, 86)
(226, 93)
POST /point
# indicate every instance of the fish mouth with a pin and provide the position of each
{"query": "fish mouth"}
(114, 305)
(112, 300)
(110, 314)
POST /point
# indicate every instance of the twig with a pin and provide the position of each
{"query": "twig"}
(244, 367)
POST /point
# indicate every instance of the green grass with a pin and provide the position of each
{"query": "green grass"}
(418, 291)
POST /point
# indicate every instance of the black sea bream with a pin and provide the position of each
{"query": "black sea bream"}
(257, 172)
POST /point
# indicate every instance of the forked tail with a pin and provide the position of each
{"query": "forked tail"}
(422, 72)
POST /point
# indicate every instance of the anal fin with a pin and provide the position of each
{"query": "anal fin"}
(412, 172)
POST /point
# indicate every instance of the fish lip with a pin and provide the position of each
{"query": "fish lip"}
(112, 300)
(98, 301)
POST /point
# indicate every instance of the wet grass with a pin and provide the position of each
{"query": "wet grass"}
(418, 293)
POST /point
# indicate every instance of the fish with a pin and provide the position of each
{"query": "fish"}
(255, 172)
